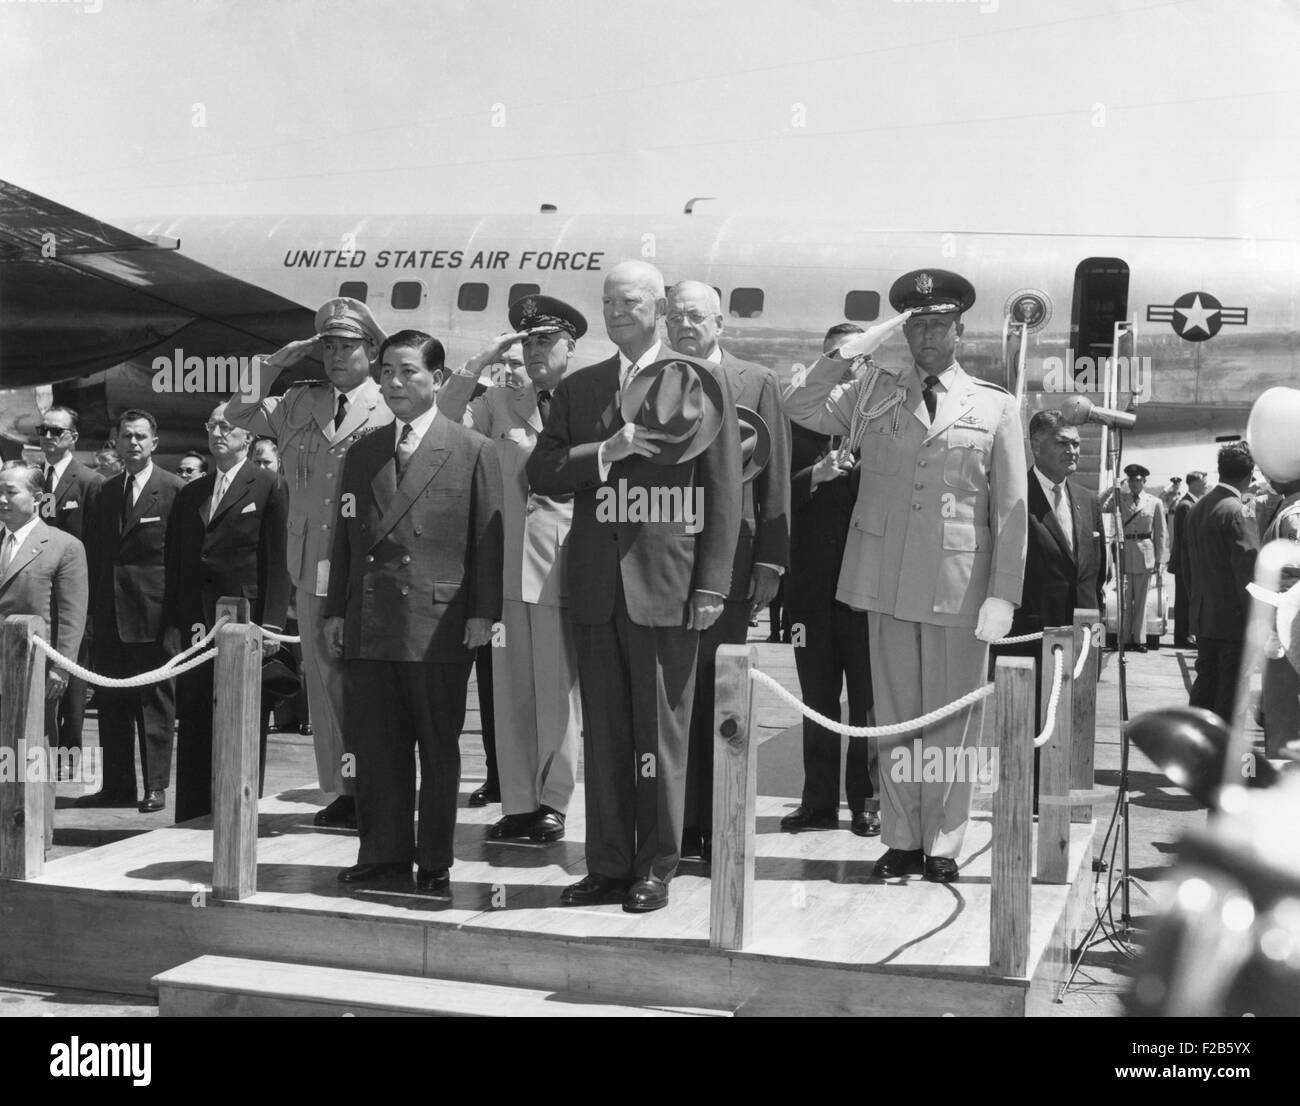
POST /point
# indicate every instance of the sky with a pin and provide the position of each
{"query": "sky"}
(1105, 116)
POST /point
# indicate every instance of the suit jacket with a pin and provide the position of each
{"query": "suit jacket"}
(413, 560)
(819, 524)
(239, 552)
(1058, 579)
(659, 563)
(1178, 527)
(66, 508)
(536, 526)
(1222, 542)
(311, 457)
(126, 558)
(47, 576)
(940, 521)
(765, 500)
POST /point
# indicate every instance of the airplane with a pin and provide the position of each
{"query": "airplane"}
(102, 317)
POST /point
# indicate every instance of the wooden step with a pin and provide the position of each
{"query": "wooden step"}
(226, 986)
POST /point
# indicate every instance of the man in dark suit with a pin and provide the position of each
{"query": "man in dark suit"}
(225, 537)
(694, 324)
(1178, 554)
(126, 532)
(832, 652)
(414, 588)
(1222, 541)
(640, 592)
(69, 488)
(42, 570)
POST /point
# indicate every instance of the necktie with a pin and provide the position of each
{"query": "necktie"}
(7, 552)
(405, 447)
(341, 413)
(1061, 509)
(544, 404)
(49, 478)
(928, 394)
(217, 493)
(128, 486)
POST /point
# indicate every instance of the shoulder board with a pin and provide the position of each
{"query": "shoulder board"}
(307, 384)
(989, 384)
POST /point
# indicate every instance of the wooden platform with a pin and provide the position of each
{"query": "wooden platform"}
(828, 939)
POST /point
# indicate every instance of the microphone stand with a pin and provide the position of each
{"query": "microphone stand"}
(1098, 931)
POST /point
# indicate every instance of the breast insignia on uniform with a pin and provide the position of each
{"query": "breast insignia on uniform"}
(970, 421)
(990, 384)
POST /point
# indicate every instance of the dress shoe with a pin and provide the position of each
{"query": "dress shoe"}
(805, 818)
(433, 879)
(646, 895)
(548, 825)
(865, 823)
(513, 827)
(305, 729)
(940, 869)
(899, 862)
(1136, 649)
(485, 795)
(692, 844)
(341, 813)
(374, 873)
(594, 889)
(154, 800)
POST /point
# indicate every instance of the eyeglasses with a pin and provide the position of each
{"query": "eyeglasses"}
(222, 428)
(695, 317)
(47, 431)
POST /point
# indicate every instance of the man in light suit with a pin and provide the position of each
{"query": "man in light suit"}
(42, 571)
(936, 550)
(314, 424)
(762, 554)
(225, 537)
(125, 542)
(1143, 517)
(1222, 537)
(69, 489)
(415, 585)
(538, 705)
(640, 592)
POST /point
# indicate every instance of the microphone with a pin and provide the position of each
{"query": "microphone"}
(1080, 409)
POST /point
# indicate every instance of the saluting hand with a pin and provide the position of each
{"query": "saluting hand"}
(491, 353)
(292, 353)
(873, 337)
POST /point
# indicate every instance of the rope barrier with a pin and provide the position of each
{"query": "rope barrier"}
(1018, 640)
(1087, 644)
(288, 639)
(1054, 701)
(166, 672)
(835, 726)
(185, 654)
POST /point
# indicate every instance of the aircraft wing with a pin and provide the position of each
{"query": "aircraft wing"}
(78, 296)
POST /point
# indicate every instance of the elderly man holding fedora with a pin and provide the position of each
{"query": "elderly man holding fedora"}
(648, 443)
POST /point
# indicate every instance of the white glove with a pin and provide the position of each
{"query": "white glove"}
(994, 620)
(871, 339)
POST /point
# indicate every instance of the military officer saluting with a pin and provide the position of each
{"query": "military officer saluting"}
(314, 423)
(935, 552)
(1145, 550)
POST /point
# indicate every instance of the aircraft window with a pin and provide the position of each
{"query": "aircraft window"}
(357, 289)
(407, 295)
(519, 291)
(472, 297)
(746, 303)
(862, 307)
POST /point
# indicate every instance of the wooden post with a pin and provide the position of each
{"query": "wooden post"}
(1083, 738)
(236, 728)
(1054, 762)
(735, 784)
(1013, 729)
(22, 729)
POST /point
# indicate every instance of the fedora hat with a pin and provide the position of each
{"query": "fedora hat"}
(755, 442)
(679, 397)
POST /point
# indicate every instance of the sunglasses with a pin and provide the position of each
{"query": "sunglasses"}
(46, 431)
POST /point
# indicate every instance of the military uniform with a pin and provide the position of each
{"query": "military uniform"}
(312, 452)
(1145, 552)
(939, 525)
